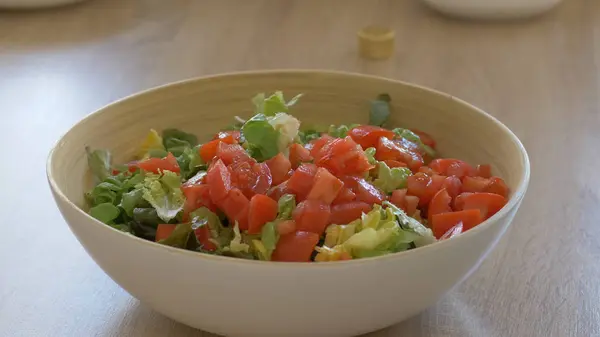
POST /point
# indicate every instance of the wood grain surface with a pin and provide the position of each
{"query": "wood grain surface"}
(540, 77)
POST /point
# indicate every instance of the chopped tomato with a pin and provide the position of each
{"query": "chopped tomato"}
(484, 171)
(218, 179)
(389, 150)
(196, 196)
(345, 213)
(203, 236)
(278, 191)
(209, 150)
(427, 170)
(474, 184)
(440, 203)
(295, 247)
(365, 191)
(155, 165)
(342, 156)
(298, 155)
(442, 223)
(425, 138)
(325, 187)
(250, 178)
(394, 163)
(312, 216)
(286, 227)
(301, 180)
(235, 207)
(424, 186)
(411, 204)
(453, 185)
(163, 231)
(317, 144)
(280, 167)
(344, 196)
(497, 186)
(233, 153)
(487, 203)
(368, 135)
(262, 210)
(452, 167)
(229, 137)
(408, 203)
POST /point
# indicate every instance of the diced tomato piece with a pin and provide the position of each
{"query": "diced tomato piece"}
(342, 156)
(425, 138)
(298, 155)
(453, 185)
(452, 167)
(497, 186)
(474, 184)
(286, 227)
(203, 236)
(368, 135)
(442, 223)
(408, 145)
(487, 203)
(278, 191)
(317, 144)
(295, 247)
(163, 231)
(394, 163)
(345, 195)
(325, 187)
(440, 203)
(155, 165)
(312, 216)
(424, 186)
(427, 170)
(233, 153)
(229, 137)
(301, 180)
(484, 171)
(262, 210)
(345, 213)
(196, 196)
(218, 179)
(250, 178)
(280, 167)
(235, 206)
(368, 193)
(389, 150)
(411, 204)
(209, 150)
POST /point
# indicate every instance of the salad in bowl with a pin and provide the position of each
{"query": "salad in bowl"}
(271, 188)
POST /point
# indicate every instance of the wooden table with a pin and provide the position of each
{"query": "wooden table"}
(540, 77)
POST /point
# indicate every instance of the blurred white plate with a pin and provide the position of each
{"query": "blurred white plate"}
(492, 9)
(31, 4)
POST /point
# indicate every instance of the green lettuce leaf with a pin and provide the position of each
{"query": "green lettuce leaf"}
(288, 128)
(105, 212)
(413, 137)
(236, 245)
(410, 224)
(268, 241)
(163, 192)
(269, 106)
(146, 216)
(380, 110)
(176, 141)
(389, 180)
(131, 200)
(261, 137)
(370, 153)
(287, 204)
(99, 163)
(220, 235)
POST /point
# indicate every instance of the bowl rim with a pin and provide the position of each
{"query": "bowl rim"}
(513, 201)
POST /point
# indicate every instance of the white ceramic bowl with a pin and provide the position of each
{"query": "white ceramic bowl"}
(251, 298)
(492, 9)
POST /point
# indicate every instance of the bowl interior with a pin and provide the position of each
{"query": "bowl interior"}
(204, 106)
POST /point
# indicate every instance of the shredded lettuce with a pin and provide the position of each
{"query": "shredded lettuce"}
(269, 106)
(236, 245)
(99, 163)
(105, 212)
(380, 110)
(410, 224)
(287, 126)
(261, 137)
(370, 153)
(131, 200)
(287, 204)
(163, 192)
(389, 180)
(181, 237)
(219, 235)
